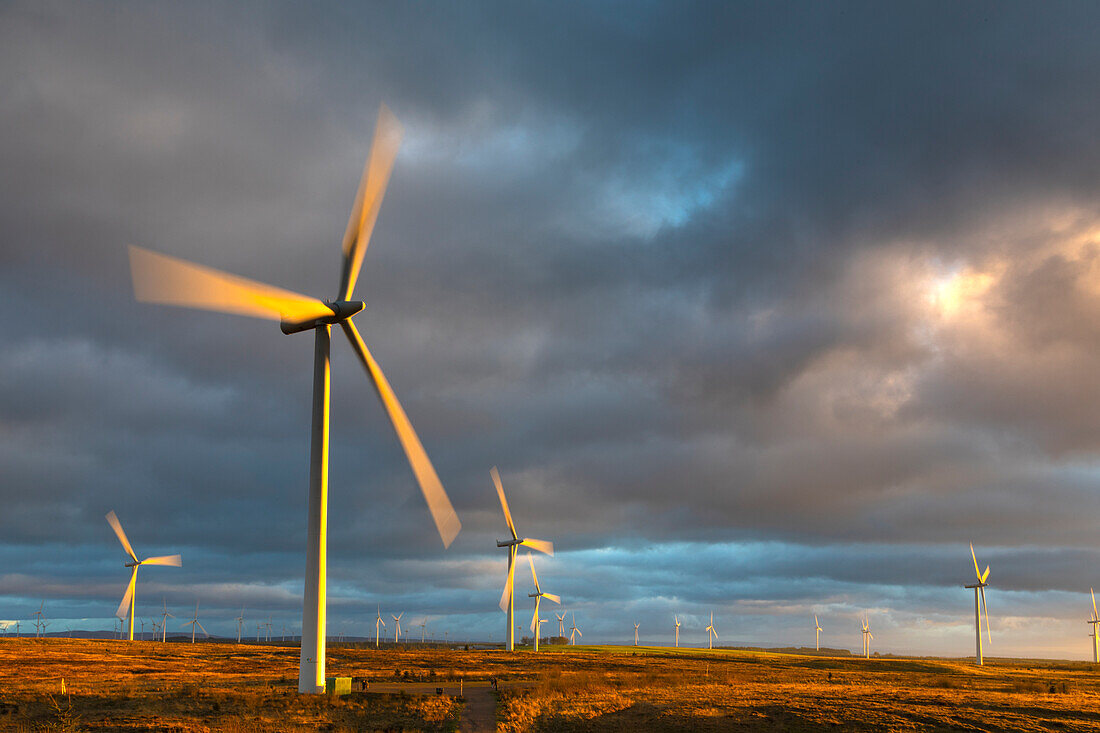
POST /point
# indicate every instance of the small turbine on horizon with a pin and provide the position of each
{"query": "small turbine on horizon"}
(131, 590)
(1093, 622)
(195, 622)
(711, 633)
(574, 631)
(507, 602)
(378, 621)
(164, 622)
(867, 636)
(979, 608)
(635, 634)
(397, 626)
(538, 595)
(561, 624)
(817, 632)
(240, 623)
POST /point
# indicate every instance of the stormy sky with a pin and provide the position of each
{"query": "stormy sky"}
(761, 309)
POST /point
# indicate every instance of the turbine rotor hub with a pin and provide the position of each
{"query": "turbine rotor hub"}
(341, 311)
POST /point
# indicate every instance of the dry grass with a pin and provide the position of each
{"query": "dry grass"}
(120, 686)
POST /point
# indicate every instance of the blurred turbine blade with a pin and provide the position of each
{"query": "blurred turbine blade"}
(159, 278)
(446, 520)
(1093, 594)
(117, 527)
(201, 627)
(503, 502)
(535, 617)
(985, 574)
(173, 560)
(508, 583)
(368, 200)
(977, 571)
(540, 545)
(985, 609)
(534, 577)
(552, 597)
(121, 612)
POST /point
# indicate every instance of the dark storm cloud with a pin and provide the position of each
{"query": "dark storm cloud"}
(770, 308)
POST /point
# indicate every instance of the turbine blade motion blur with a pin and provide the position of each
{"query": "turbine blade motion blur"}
(552, 597)
(121, 612)
(540, 545)
(508, 583)
(985, 611)
(117, 527)
(159, 278)
(534, 577)
(443, 513)
(173, 560)
(368, 200)
(503, 502)
(977, 570)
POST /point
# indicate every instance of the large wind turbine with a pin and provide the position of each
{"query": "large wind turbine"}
(979, 593)
(538, 595)
(397, 626)
(378, 621)
(574, 631)
(867, 636)
(711, 633)
(131, 590)
(561, 624)
(817, 632)
(195, 622)
(1093, 622)
(635, 634)
(507, 603)
(162, 279)
(677, 620)
(240, 622)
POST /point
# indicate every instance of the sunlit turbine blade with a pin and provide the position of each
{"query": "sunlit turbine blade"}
(552, 597)
(121, 612)
(117, 527)
(160, 278)
(578, 632)
(503, 502)
(540, 545)
(173, 560)
(816, 622)
(977, 570)
(534, 618)
(201, 627)
(985, 574)
(985, 609)
(368, 200)
(534, 577)
(443, 513)
(1094, 613)
(507, 594)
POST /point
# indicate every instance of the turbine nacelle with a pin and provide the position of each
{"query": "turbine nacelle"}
(341, 311)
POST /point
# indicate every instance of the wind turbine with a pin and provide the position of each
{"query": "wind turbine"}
(195, 622)
(397, 626)
(378, 621)
(423, 625)
(561, 624)
(507, 603)
(979, 593)
(536, 622)
(164, 622)
(817, 632)
(635, 634)
(711, 633)
(39, 624)
(677, 620)
(162, 279)
(867, 636)
(240, 623)
(575, 630)
(1093, 622)
(128, 599)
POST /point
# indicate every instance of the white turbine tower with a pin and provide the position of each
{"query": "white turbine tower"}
(979, 608)
(867, 637)
(397, 626)
(677, 620)
(240, 623)
(561, 624)
(635, 634)
(195, 622)
(574, 632)
(164, 621)
(131, 590)
(817, 632)
(507, 602)
(162, 279)
(538, 595)
(378, 621)
(711, 633)
(1093, 622)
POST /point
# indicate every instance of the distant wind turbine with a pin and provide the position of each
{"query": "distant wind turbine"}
(677, 620)
(397, 627)
(979, 594)
(164, 621)
(711, 633)
(817, 632)
(131, 590)
(561, 624)
(240, 623)
(635, 634)
(1093, 622)
(507, 602)
(40, 623)
(195, 622)
(538, 595)
(574, 630)
(159, 278)
(378, 621)
(867, 637)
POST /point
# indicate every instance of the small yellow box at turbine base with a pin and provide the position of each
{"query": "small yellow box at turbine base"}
(338, 686)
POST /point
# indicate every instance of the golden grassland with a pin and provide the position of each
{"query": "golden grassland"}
(123, 686)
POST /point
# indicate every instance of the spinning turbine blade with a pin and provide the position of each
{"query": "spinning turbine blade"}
(1093, 594)
(977, 570)
(535, 617)
(534, 577)
(985, 609)
(201, 627)
(503, 502)
(443, 513)
(121, 612)
(540, 545)
(985, 574)
(507, 594)
(173, 560)
(552, 597)
(372, 187)
(117, 527)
